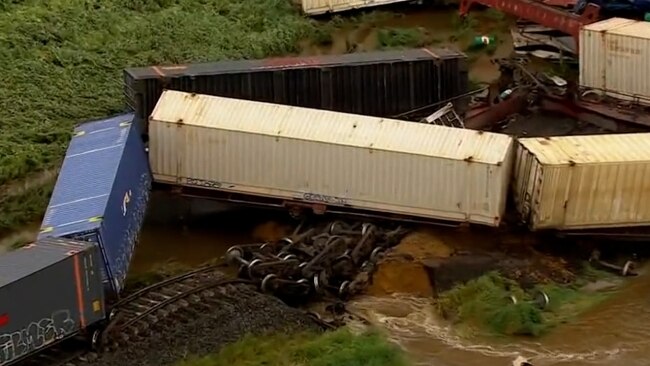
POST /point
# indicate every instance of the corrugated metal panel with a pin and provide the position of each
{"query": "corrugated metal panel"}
(614, 58)
(315, 7)
(102, 191)
(331, 127)
(385, 83)
(585, 149)
(358, 161)
(21, 263)
(579, 182)
(48, 291)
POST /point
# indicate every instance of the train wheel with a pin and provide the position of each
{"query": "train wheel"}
(96, 340)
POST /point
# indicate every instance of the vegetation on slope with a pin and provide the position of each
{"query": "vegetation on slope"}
(486, 304)
(63, 60)
(336, 348)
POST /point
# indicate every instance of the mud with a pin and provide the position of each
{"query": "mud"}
(235, 315)
(430, 261)
(428, 26)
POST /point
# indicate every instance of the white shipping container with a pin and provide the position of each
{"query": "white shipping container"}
(615, 58)
(581, 182)
(339, 159)
(315, 7)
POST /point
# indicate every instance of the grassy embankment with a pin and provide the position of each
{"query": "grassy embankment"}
(336, 348)
(62, 63)
(484, 304)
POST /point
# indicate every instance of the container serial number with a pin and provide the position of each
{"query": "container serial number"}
(204, 183)
(314, 197)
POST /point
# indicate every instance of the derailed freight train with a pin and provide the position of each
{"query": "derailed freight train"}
(583, 182)
(64, 284)
(340, 162)
(101, 194)
(382, 83)
(350, 163)
(50, 290)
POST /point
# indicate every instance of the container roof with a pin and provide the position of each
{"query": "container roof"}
(239, 66)
(32, 258)
(331, 127)
(621, 26)
(590, 149)
(86, 177)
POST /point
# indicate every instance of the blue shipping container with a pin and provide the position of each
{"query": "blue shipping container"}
(102, 192)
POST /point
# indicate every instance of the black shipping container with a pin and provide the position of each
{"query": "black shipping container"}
(49, 290)
(382, 84)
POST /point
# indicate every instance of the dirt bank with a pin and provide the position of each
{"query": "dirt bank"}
(433, 260)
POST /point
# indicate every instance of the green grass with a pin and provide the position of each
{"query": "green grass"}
(401, 38)
(484, 305)
(62, 62)
(336, 348)
(21, 209)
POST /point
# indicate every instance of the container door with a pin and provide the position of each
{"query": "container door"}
(95, 238)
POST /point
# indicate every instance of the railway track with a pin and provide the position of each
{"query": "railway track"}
(330, 261)
(176, 298)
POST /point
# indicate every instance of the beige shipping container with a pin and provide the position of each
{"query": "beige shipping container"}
(615, 59)
(316, 7)
(337, 159)
(582, 182)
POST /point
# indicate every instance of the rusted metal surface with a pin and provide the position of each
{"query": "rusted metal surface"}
(486, 116)
(568, 4)
(603, 115)
(607, 114)
(540, 13)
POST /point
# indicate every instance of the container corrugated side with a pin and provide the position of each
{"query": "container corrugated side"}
(581, 182)
(315, 7)
(382, 84)
(614, 58)
(49, 290)
(339, 159)
(102, 192)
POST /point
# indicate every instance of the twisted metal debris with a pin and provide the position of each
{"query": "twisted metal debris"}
(335, 260)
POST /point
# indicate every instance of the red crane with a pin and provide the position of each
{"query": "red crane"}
(541, 13)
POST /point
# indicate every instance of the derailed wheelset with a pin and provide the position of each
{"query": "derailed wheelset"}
(336, 259)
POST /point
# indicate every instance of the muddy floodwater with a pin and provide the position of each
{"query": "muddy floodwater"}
(615, 332)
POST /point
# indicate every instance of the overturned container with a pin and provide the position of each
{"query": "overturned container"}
(583, 182)
(49, 291)
(382, 83)
(344, 162)
(102, 192)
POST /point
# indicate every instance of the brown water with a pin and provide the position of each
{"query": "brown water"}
(614, 333)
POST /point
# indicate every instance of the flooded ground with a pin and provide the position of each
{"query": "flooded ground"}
(420, 26)
(614, 332)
